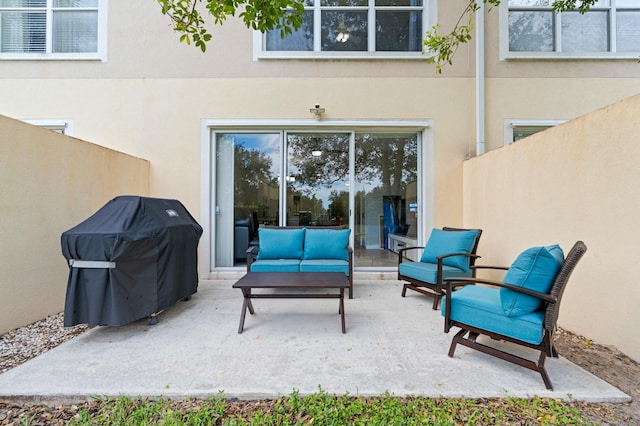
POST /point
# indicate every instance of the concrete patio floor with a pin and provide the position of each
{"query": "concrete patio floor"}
(393, 344)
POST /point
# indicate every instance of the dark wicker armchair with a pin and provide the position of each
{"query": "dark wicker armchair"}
(480, 310)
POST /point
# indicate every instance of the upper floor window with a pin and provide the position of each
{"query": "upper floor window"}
(609, 28)
(35, 29)
(352, 28)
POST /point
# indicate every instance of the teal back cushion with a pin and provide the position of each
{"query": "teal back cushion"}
(445, 242)
(326, 244)
(536, 269)
(280, 243)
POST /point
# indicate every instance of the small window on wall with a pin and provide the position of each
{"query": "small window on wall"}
(516, 130)
(64, 127)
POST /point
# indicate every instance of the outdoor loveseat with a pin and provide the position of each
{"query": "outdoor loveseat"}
(299, 249)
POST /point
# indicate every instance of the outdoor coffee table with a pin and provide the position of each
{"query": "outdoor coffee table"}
(293, 285)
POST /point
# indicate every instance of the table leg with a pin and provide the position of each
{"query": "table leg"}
(341, 310)
(242, 315)
(246, 304)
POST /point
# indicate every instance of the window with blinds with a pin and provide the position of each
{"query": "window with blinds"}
(49, 26)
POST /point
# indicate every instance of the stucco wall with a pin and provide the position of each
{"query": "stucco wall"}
(49, 183)
(576, 181)
(161, 119)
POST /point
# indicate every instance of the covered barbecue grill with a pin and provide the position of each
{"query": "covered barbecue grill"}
(133, 258)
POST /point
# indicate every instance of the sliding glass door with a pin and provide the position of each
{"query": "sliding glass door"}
(362, 180)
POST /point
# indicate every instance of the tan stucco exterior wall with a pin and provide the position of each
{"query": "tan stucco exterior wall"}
(577, 181)
(161, 119)
(49, 183)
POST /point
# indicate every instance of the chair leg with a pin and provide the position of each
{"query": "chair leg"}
(436, 301)
(426, 292)
(543, 371)
(459, 336)
(523, 362)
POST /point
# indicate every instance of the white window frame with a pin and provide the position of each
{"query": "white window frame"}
(99, 55)
(62, 126)
(510, 125)
(505, 54)
(209, 127)
(429, 18)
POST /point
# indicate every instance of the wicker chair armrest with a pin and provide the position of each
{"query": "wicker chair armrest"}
(401, 253)
(452, 283)
(444, 256)
(251, 252)
(504, 268)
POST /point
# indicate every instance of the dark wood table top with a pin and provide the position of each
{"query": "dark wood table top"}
(293, 280)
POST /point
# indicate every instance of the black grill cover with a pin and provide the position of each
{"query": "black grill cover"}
(134, 257)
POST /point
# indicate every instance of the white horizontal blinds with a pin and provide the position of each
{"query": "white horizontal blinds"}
(628, 26)
(75, 26)
(23, 26)
(75, 31)
(27, 25)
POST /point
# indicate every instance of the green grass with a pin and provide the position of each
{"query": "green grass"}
(324, 409)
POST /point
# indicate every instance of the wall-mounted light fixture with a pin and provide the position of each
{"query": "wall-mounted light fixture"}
(316, 153)
(317, 111)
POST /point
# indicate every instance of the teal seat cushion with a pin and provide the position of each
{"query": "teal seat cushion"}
(481, 307)
(326, 244)
(280, 243)
(428, 272)
(536, 269)
(325, 265)
(446, 242)
(276, 265)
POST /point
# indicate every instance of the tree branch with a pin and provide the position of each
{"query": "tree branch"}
(444, 47)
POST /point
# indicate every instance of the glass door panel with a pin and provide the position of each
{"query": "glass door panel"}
(247, 175)
(386, 197)
(317, 179)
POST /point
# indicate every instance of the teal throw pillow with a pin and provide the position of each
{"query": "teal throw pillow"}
(446, 242)
(280, 243)
(536, 269)
(326, 244)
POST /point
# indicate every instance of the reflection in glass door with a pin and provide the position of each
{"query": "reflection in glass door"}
(317, 179)
(386, 197)
(247, 174)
